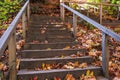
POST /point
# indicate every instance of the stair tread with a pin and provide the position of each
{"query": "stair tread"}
(54, 58)
(46, 25)
(25, 71)
(52, 50)
(50, 53)
(51, 43)
(32, 63)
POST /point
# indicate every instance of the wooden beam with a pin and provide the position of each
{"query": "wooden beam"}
(12, 57)
(62, 12)
(28, 11)
(105, 55)
(24, 24)
(74, 23)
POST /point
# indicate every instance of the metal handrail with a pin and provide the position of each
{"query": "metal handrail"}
(80, 2)
(100, 8)
(97, 25)
(8, 39)
(105, 33)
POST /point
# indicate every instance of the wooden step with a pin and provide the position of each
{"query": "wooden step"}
(50, 74)
(50, 45)
(34, 63)
(46, 26)
(44, 18)
(52, 27)
(32, 38)
(47, 36)
(51, 39)
(49, 32)
(50, 53)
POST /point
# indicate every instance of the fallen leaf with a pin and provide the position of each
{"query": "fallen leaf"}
(69, 77)
(35, 78)
(62, 56)
(56, 78)
(48, 49)
(17, 63)
(1, 65)
(83, 65)
(66, 48)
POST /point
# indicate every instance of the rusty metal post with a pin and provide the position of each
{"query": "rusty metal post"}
(105, 55)
(12, 57)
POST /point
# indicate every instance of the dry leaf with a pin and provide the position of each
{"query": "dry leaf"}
(90, 42)
(18, 47)
(48, 49)
(66, 48)
(69, 77)
(35, 78)
(116, 78)
(17, 63)
(1, 65)
(89, 76)
(68, 25)
(73, 55)
(118, 48)
(56, 78)
(43, 66)
(76, 64)
(35, 42)
(91, 53)
(83, 65)
(62, 56)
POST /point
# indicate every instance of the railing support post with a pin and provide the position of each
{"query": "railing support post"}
(101, 12)
(105, 54)
(74, 23)
(88, 11)
(12, 57)
(28, 11)
(62, 11)
(24, 24)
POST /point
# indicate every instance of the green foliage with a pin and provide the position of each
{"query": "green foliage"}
(7, 10)
(74, 5)
(89, 26)
(94, 1)
(115, 1)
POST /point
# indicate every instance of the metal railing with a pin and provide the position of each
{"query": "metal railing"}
(8, 39)
(99, 7)
(105, 33)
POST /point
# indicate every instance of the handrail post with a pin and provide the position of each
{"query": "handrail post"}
(101, 13)
(62, 11)
(74, 23)
(105, 55)
(88, 8)
(28, 11)
(24, 24)
(12, 57)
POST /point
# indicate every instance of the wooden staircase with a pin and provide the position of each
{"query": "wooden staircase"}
(49, 41)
